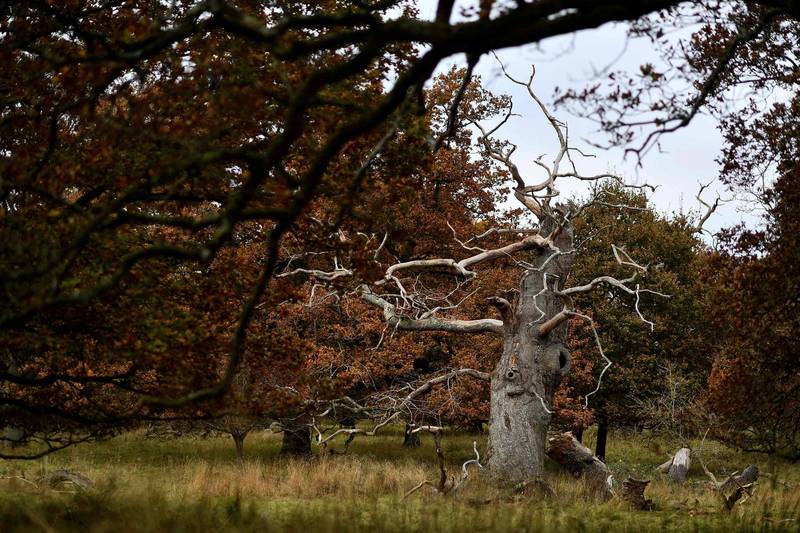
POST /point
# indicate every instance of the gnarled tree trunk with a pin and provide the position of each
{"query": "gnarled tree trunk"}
(296, 438)
(534, 357)
(238, 440)
(530, 369)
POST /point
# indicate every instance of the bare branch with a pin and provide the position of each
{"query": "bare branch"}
(504, 307)
(492, 231)
(486, 325)
(555, 321)
(462, 267)
(622, 257)
(709, 85)
(388, 413)
(464, 471)
(426, 387)
(599, 344)
(607, 176)
(710, 208)
(319, 274)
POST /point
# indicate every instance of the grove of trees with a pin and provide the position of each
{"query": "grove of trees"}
(237, 214)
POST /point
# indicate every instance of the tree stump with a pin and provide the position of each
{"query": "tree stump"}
(678, 466)
(579, 461)
(633, 492)
(238, 441)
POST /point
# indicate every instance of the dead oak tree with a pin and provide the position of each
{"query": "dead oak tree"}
(533, 326)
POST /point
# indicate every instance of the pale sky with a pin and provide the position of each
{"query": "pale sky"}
(687, 156)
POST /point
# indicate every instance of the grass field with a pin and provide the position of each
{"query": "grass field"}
(193, 484)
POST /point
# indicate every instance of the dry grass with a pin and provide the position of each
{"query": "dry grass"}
(197, 485)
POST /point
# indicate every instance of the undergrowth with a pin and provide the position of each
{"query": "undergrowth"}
(193, 485)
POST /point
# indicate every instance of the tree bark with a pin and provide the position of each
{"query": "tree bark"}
(410, 440)
(578, 460)
(531, 367)
(296, 439)
(238, 440)
(735, 487)
(678, 466)
(602, 439)
(633, 492)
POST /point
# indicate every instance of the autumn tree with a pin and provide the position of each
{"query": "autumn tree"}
(140, 139)
(756, 358)
(534, 357)
(355, 351)
(751, 280)
(156, 326)
(754, 292)
(633, 357)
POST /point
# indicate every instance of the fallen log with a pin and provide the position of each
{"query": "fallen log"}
(59, 478)
(664, 467)
(736, 486)
(633, 493)
(748, 476)
(579, 461)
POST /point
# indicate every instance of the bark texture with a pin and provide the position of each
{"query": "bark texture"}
(296, 439)
(529, 371)
(633, 493)
(238, 440)
(602, 439)
(681, 463)
(578, 460)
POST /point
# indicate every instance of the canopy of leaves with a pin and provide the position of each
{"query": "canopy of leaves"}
(669, 249)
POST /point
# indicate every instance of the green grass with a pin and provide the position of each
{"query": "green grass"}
(197, 485)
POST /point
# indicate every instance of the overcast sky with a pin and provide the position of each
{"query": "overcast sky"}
(687, 156)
